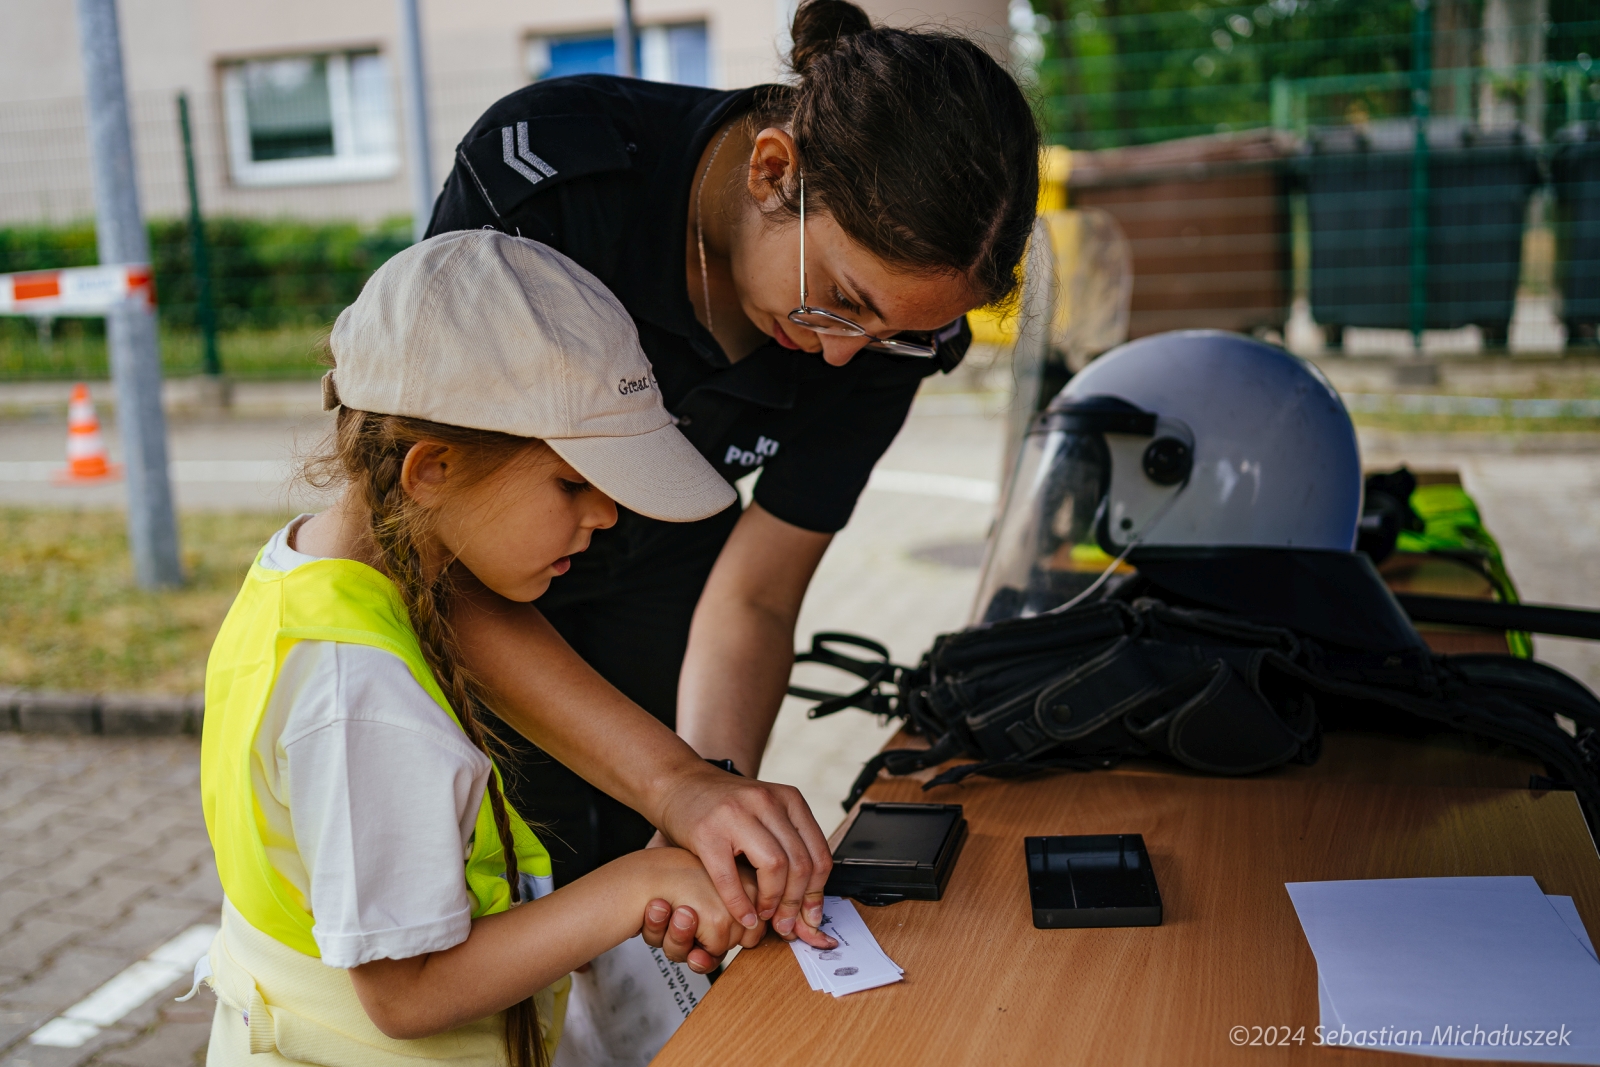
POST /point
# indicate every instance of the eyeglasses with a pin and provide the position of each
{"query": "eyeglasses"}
(819, 321)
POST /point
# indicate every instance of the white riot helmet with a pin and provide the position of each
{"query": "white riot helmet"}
(1169, 447)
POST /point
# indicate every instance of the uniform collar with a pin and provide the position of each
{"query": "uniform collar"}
(650, 283)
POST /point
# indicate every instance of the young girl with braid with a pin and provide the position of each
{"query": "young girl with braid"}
(383, 903)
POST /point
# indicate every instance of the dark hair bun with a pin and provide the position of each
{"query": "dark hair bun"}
(818, 26)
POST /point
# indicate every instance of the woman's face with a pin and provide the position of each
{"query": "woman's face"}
(841, 276)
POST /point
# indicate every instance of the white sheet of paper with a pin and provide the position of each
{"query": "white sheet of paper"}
(1568, 910)
(1492, 959)
(626, 1006)
(857, 963)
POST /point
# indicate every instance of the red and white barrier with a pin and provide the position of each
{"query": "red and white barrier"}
(77, 290)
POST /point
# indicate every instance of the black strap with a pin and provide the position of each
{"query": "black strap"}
(876, 673)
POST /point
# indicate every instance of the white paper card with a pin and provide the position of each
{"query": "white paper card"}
(857, 963)
(1470, 968)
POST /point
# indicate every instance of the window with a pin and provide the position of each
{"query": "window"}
(664, 53)
(312, 118)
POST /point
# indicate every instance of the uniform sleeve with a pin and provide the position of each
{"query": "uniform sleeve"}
(815, 479)
(383, 795)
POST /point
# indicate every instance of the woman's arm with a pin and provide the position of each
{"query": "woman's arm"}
(741, 642)
(741, 650)
(509, 957)
(553, 698)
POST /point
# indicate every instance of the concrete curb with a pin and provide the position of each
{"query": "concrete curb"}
(32, 711)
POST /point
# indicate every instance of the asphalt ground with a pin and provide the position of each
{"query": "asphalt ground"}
(103, 856)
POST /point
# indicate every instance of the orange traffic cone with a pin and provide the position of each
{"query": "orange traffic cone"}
(86, 448)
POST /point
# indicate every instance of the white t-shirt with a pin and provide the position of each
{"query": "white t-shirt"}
(370, 794)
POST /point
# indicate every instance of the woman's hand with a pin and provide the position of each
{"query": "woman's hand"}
(720, 817)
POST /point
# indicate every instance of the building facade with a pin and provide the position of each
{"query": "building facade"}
(295, 104)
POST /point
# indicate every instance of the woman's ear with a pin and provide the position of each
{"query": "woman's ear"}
(773, 159)
(424, 471)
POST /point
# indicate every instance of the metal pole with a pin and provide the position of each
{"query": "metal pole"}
(198, 249)
(418, 156)
(622, 37)
(1421, 76)
(131, 329)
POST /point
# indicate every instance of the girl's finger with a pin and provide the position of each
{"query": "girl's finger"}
(656, 915)
(678, 944)
(701, 961)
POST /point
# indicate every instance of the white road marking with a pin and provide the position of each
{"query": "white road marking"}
(921, 483)
(126, 991)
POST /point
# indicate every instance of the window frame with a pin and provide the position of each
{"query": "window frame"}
(650, 36)
(344, 165)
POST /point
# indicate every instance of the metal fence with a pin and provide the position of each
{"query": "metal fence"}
(1397, 165)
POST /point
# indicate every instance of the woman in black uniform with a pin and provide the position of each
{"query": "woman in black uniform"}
(912, 159)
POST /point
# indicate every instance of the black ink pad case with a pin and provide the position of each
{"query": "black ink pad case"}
(1096, 880)
(895, 852)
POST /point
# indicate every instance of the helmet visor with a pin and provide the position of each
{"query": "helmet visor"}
(1044, 551)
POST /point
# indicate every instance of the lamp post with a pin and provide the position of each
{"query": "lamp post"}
(131, 327)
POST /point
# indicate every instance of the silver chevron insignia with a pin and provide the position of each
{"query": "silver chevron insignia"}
(519, 156)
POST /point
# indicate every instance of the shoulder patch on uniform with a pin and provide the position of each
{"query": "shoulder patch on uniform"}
(512, 162)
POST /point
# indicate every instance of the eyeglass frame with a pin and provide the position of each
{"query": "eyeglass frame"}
(844, 326)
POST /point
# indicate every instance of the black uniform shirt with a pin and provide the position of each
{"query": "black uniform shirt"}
(600, 168)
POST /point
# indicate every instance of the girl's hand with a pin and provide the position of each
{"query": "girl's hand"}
(673, 933)
(676, 875)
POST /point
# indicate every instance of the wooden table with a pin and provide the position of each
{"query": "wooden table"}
(982, 986)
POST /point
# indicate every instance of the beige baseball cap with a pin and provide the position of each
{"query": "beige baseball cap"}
(493, 332)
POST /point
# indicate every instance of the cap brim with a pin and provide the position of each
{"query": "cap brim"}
(658, 474)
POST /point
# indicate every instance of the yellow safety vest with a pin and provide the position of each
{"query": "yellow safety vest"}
(325, 600)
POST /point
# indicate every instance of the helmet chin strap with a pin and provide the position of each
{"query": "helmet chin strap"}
(1111, 568)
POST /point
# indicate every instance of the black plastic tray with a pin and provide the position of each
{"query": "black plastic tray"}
(1094, 880)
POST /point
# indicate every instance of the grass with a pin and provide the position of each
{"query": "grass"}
(77, 350)
(1417, 422)
(72, 618)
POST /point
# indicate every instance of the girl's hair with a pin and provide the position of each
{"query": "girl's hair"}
(916, 142)
(368, 453)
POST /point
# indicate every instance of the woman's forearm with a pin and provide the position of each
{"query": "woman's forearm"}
(741, 642)
(546, 692)
(733, 681)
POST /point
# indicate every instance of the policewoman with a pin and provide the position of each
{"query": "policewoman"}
(797, 259)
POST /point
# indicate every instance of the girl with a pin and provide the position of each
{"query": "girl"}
(384, 904)
(912, 157)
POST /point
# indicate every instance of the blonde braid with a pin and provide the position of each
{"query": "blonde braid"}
(372, 450)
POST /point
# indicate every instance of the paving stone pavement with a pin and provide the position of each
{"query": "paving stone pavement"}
(103, 858)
